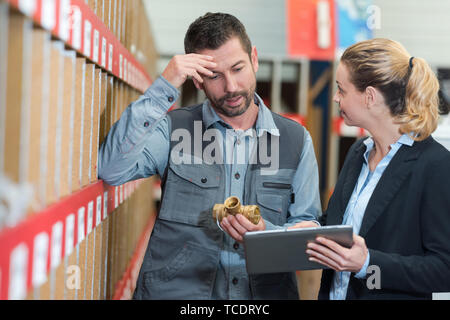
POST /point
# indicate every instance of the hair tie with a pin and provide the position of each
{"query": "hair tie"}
(410, 62)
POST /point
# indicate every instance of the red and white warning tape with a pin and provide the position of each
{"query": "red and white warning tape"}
(32, 248)
(76, 24)
(343, 130)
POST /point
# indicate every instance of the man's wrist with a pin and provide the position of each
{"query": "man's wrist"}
(164, 92)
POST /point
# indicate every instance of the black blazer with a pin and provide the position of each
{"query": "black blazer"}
(406, 225)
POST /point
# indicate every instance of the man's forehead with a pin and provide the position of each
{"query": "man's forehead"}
(228, 54)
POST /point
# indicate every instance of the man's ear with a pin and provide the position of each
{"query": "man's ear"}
(254, 57)
(197, 84)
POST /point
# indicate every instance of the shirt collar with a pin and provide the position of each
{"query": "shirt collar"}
(404, 139)
(264, 122)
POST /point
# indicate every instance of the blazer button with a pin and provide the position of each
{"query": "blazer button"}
(204, 180)
(236, 246)
(237, 175)
(170, 99)
(235, 281)
(146, 124)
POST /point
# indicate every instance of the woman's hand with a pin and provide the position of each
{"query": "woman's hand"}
(337, 257)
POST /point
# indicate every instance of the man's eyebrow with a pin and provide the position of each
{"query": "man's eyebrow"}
(234, 65)
(239, 62)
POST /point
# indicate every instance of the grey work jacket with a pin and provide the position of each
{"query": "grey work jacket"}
(182, 257)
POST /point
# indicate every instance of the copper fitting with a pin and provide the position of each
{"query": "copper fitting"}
(233, 206)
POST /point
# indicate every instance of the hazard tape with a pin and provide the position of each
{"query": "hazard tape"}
(76, 24)
(31, 249)
(343, 130)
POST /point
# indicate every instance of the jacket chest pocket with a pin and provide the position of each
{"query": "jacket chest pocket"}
(190, 193)
(273, 195)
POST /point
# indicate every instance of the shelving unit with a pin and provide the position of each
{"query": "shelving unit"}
(69, 69)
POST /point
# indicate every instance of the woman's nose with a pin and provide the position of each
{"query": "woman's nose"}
(335, 97)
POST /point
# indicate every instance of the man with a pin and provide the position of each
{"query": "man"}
(205, 154)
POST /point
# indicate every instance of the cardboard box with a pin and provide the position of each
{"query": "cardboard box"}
(71, 260)
(96, 125)
(98, 237)
(59, 283)
(67, 123)
(18, 60)
(103, 107)
(89, 265)
(104, 259)
(40, 65)
(88, 113)
(4, 37)
(54, 109)
(80, 76)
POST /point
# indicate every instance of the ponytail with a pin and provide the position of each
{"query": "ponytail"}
(421, 101)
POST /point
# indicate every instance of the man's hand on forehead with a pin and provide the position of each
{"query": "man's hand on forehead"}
(193, 65)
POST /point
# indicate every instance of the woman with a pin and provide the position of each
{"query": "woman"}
(394, 187)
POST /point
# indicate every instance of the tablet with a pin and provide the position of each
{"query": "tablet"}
(285, 250)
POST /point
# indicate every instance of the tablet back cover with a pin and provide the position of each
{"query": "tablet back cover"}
(285, 250)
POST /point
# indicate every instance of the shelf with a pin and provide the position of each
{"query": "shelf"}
(73, 22)
(41, 242)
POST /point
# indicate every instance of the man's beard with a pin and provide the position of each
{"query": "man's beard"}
(219, 104)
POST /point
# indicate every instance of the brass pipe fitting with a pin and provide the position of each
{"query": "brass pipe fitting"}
(233, 206)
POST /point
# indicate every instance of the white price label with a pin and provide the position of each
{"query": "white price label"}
(125, 68)
(81, 224)
(131, 75)
(76, 26)
(105, 204)
(90, 216)
(116, 197)
(64, 16)
(87, 38)
(110, 57)
(70, 233)
(98, 213)
(96, 45)
(48, 15)
(103, 52)
(18, 267)
(121, 66)
(40, 251)
(28, 7)
(56, 245)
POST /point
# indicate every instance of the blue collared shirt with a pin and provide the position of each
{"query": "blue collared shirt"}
(357, 205)
(138, 145)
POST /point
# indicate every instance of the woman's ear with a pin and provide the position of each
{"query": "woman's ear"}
(371, 96)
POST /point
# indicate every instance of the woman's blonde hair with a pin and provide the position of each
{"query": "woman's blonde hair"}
(409, 86)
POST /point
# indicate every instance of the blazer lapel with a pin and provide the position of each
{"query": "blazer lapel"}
(391, 180)
(349, 183)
